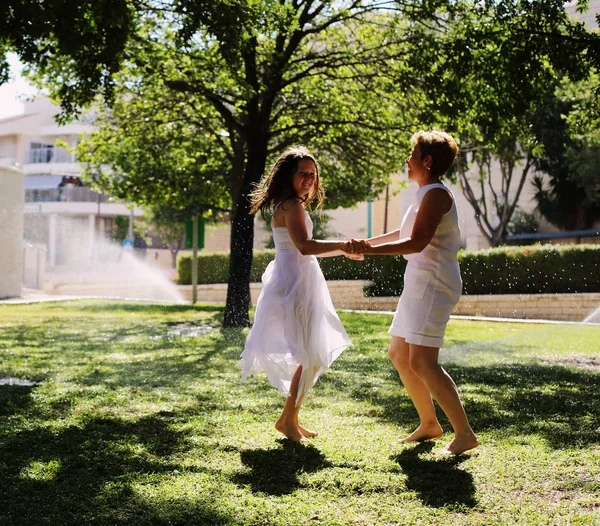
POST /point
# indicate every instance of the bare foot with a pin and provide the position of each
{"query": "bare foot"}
(307, 432)
(290, 431)
(459, 445)
(424, 433)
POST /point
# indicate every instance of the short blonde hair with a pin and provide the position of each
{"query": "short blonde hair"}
(441, 146)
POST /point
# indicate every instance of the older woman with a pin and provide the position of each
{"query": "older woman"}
(429, 238)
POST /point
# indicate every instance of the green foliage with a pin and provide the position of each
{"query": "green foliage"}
(79, 44)
(567, 190)
(175, 132)
(523, 223)
(168, 224)
(503, 270)
(531, 270)
(121, 228)
(491, 65)
(149, 149)
(212, 268)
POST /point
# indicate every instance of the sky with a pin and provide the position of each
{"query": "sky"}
(12, 90)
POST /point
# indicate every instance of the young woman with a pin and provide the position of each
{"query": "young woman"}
(296, 333)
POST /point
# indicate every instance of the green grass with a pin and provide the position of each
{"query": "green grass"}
(135, 423)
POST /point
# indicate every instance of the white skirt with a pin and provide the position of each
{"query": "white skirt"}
(427, 300)
(295, 324)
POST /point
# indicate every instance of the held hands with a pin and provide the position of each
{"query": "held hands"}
(355, 257)
(355, 248)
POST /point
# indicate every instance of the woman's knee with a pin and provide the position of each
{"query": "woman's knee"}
(421, 365)
(398, 352)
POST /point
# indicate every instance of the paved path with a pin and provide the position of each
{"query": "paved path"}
(481, 318)
(38, 296)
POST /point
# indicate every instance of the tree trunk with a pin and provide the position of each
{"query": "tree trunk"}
(174, 249)
(255, 135)
(242, 243)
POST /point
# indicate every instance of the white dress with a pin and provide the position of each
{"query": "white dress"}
(295, 322)
(432, 282)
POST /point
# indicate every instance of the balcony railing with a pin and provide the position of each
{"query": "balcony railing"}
(50, 155)
(68, 194)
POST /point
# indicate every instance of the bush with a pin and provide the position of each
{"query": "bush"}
(531, 270)
(504, 270)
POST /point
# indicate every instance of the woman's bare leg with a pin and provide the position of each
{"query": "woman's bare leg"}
(308, 432)
(399, 353)
(424, 363)
(287, 423)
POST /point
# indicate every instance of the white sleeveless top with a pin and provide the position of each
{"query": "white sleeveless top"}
(283, 241)
(445, 242)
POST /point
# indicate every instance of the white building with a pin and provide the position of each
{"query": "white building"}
(11, 231)
(57, 209)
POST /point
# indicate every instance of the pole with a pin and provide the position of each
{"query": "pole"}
(370, 217)
(194, 259)
(387, 204)
(130, 231)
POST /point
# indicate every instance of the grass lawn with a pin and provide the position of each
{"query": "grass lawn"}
(137, 421)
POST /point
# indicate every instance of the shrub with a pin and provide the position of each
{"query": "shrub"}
(531, 270)
(503, 270)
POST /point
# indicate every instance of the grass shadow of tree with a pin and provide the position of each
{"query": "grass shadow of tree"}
(557, 403)
(204, 356)
(94, 466)
(438, 482)
(14, 399)
(276, 471)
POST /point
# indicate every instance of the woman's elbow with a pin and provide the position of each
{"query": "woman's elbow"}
(305, 251)
(419, 245)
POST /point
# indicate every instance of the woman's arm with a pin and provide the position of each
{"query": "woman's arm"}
(389, 237)
(332, 253)
(435, 204)
(294, 217)
(349, 255)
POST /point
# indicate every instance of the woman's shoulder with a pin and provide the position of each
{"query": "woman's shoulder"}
(438, 189)
(290, 205)
(288, 208)
(438, 195)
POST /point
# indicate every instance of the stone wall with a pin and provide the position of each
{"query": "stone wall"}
(349, 295)
(564, 307)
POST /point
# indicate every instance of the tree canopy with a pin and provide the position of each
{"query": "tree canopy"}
(568, 182)
(203, 108)
(210, 91)
(494, 63)
(82, 42)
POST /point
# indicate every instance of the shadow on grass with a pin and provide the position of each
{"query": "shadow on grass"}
(14, 399)
(86, 474)
(438, 482)
(276, 471)
(557, 403)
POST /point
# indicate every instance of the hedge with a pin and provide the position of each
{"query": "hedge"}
(504, 270)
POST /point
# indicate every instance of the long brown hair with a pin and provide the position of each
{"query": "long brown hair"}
(277, 186)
